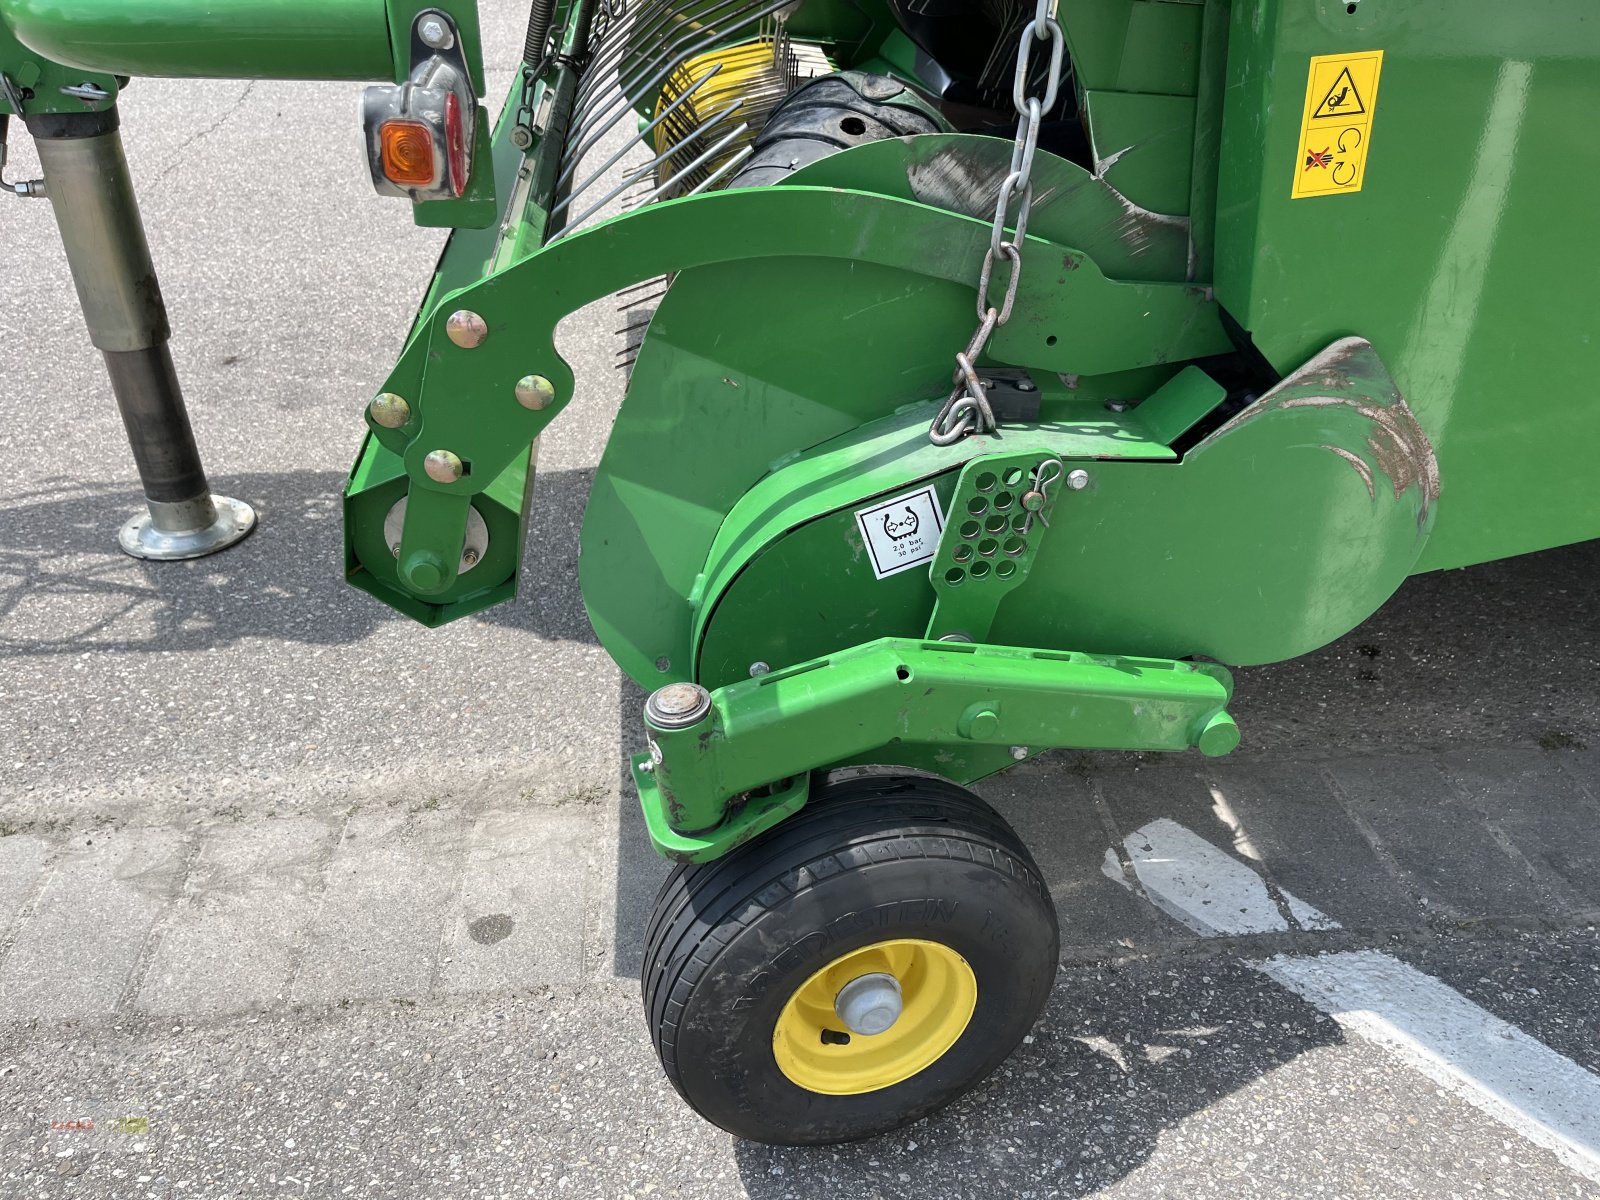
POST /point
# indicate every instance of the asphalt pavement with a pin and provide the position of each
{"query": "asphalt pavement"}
(298, 898)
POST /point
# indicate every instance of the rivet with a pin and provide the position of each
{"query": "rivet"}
(389, 410)
(535, 392)
(466, 329)
(442, 466)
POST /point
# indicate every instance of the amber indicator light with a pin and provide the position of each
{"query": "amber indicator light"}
(407, 149)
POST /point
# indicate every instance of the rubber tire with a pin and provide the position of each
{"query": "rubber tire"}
(869, 857)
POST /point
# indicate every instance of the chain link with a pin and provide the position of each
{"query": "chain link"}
(967, 409)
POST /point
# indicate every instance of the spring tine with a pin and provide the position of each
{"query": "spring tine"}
(616, 106)
(643, 171)
(744, 153)
(711, 152)
(646, 25)
(600, 66)
(644, 133)
(635, 178)
(679, 56)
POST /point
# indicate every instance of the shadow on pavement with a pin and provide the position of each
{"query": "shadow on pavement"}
(65, 587)
(1118, 1058)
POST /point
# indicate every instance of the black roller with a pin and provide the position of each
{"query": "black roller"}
(830, 114)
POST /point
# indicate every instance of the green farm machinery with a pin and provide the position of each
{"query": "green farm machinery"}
(1016, 373)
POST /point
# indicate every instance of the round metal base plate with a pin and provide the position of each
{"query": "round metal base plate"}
(235, 519)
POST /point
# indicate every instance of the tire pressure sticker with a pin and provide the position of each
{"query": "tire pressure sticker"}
(1336, 129)
(901, 533)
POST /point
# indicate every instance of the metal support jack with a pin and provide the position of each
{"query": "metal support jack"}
(86, 179)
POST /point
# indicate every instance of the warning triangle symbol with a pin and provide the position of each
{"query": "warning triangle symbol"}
(1342, 99)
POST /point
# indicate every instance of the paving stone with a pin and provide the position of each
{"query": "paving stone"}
(389, 898)
(247, 909)
(525, 899)
(1435, 835)
(74, 956)
(1310, 847)
(1546, 813)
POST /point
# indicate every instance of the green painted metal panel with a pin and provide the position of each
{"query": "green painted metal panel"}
(962, 173)
(1279, 532)
(1467, 258)
(1144, 145)
(1134, 45)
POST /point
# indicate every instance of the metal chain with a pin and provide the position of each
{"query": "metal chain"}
(967, 409)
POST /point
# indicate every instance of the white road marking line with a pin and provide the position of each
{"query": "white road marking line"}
(1521, 1082)
(1211, 892)
(1516, 1079)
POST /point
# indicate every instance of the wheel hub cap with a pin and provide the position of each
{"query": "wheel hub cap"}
(875, 1016)
(869, 1004)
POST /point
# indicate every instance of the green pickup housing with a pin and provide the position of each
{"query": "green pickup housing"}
(1277, 408)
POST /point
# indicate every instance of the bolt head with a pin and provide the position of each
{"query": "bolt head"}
(1117, 406)
(535, 392)
(389, 410)
(1078, 480)
(434, 33)
(469, 557)
(442, 466)
(677, 705)
(1019, 753)
(521, 137)
(466, 329)
(759, 668)
(1025, 385)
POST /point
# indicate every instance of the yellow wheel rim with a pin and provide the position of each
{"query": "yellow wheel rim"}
(817, 1051)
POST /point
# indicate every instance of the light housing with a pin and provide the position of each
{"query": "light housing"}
(420, 134)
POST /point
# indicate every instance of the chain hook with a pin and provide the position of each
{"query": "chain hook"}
(967, 409)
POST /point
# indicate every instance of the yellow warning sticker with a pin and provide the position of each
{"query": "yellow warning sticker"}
(1336, 130)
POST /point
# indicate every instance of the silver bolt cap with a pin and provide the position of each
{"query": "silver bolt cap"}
(466, 329)
(442, 466)
(1019, 753)
(869, 1004)
(535, 392)
(759, 668)
(1078, 480)
(389, 410)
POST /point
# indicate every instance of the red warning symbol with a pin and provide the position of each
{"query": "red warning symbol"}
(1341, 101)
(1319, 158)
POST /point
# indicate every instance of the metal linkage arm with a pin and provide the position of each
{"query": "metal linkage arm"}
(723, 766)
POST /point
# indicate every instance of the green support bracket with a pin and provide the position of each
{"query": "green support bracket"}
(998, 515)
(723, 766)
